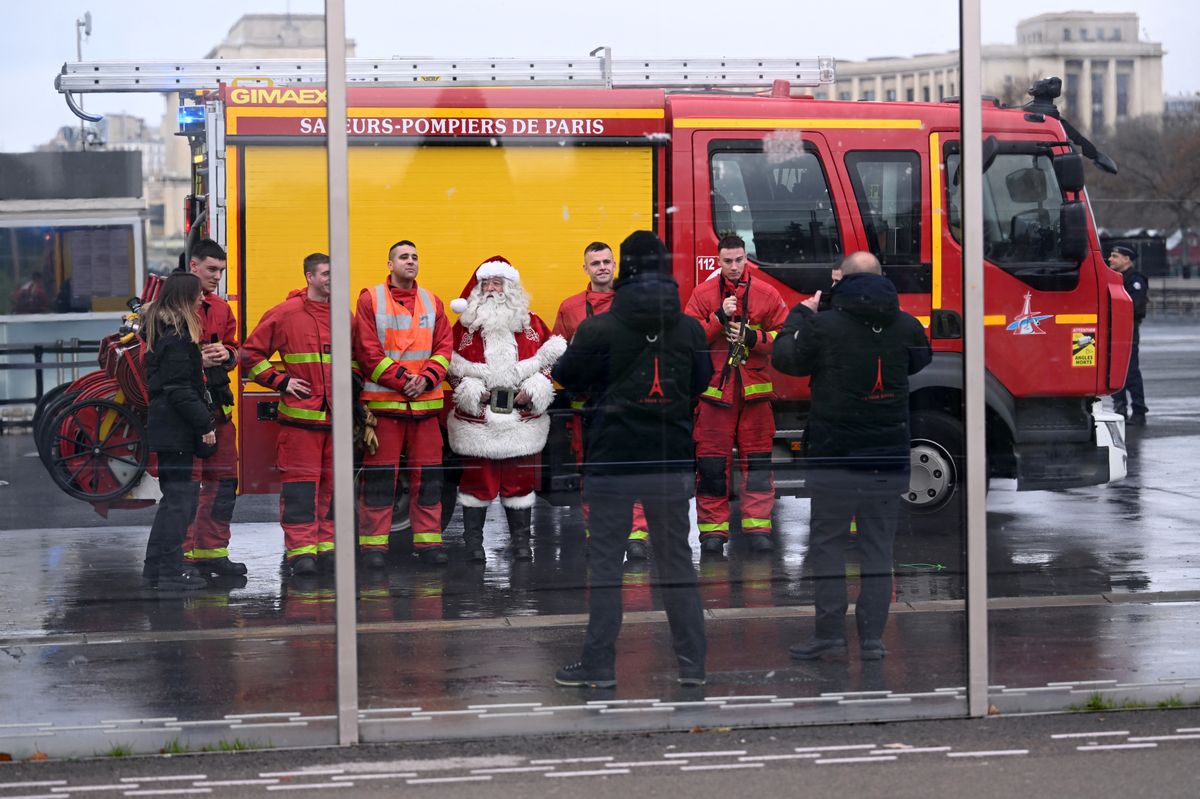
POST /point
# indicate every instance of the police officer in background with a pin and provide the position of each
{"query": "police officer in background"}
(641, 365)
(1132, 395)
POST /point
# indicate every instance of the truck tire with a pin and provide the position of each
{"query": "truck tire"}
(935, 495)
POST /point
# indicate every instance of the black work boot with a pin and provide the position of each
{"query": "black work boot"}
(520, 521)
(473, 519)
(218, 567)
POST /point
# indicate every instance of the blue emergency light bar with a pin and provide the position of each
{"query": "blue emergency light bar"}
(190, 117)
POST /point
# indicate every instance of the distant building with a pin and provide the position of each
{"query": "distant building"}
(1181, 107)
(1108, 73)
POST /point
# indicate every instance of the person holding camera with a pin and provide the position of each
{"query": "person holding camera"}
(500, 371)
(179, 425)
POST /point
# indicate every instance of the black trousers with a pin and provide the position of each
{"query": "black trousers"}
(176, 510)
(665, 499)
(1133, 393)
(829, 527)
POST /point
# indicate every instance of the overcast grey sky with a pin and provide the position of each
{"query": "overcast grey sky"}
(38, 37)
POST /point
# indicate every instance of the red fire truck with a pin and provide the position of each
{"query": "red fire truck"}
(536, 173)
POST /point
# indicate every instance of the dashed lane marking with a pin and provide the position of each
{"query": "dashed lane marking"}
(1165, 738)
(799, 756)
(393, 775)
(310, 786)
(1110, 747)
(235, 783)
(436, 780)
(990, 753)
(1060, 735)
(35, 784)
(171, 778)
(511, 770)
(834, 760)
(81, 788)
(914, 750)
(718, 753)
(843, 748)
(565, 760)
(645, 763)
(595, 773)
(721, 766)
(169, 792)
(316, 772)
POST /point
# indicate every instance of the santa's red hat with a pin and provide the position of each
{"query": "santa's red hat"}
(496, 266)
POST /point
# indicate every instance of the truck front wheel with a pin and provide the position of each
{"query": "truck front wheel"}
(934, 488)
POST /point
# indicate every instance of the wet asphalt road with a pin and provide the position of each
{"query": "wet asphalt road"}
(1093, 583)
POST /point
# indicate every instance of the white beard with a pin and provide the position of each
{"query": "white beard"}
(497, 313)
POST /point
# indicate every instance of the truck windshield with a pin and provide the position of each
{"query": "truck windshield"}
(1021, 218)
(780, 206)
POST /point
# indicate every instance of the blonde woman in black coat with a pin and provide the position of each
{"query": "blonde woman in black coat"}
(180, 425)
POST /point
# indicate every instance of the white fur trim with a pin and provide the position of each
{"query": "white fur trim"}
(497, 269)
(540, 390)
(461, 367)
(468, 393)
(468, 501)
(499, 436)
(458, 305)
(518, 503)
(551, 351)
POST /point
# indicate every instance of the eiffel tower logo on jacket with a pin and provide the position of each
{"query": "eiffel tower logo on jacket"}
(655, 387)
(878, 391)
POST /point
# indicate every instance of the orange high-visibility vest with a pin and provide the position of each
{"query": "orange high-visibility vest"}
(407, 340)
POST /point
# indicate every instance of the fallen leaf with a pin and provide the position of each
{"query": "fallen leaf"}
(5, 757)
(39, 756)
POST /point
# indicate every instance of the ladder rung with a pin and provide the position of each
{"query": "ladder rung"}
(165, 76)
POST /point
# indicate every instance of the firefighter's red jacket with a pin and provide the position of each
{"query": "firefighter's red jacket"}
(767, 313)
(574, 310)
(298, 329)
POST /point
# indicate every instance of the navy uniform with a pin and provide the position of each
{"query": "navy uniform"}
(1132, 396)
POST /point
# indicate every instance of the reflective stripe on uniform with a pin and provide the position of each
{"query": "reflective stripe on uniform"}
(445, 363)
(373, 540)
(301, 413)
(723, 527)
(310, 549)
(391, 405)
(381, 368)
(207, 554)
(578, 404)
(760, 524)
(712, 391)
(308, 357)
(259, 368)
(324, 546)
(759, 388)
(427, 538)
(639, 535)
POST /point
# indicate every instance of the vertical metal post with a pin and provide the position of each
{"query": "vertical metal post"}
(971, 108)
(339, 303)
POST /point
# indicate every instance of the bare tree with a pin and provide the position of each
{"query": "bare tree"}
(1158, 185)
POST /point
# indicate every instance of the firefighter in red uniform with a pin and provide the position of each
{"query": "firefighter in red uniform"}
(206, 546)
(596, 299)
(402, 345)
(299, 330)
(741, 315)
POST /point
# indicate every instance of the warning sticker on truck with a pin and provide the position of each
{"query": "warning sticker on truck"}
(1083, 346)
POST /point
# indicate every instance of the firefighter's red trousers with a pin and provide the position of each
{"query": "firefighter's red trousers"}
(208, 535)
(419, 440)
(750, 426)
(640, 531)
(513, 479)
(305, 461)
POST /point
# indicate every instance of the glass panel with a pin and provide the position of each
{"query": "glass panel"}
(143, 584)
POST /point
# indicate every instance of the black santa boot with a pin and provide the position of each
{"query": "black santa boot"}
(520, 522)
(473, 519)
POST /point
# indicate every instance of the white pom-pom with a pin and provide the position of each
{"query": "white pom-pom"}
(458, 305)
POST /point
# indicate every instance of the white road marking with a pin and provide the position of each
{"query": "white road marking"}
(373, 710)
(432, 780)
(232, 783)
(598, 773)
(1165, 737)
(74, 788)
(391, 775)
(1059, 735)
(284, 715)
(561, 761)
(645, 763)
(316, 772)
(721, 766)
(172, 778)
(37, 784)
(718, 753)
(915, 750)
(169, 792)
(36, 795)
(844, 748)
(514, 715)
(803, 756)
(507, 705)
(1109, 747)
(828, 760)
(1187, 729)
(511, 770)
(989, 753)
(308, 786)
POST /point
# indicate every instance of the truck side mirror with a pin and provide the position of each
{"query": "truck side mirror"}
(1072, 231)
(1068, 168)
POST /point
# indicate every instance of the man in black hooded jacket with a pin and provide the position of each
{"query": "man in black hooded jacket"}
(642, 365)
(859, 355)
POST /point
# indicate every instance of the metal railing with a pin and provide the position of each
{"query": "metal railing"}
(67, 369)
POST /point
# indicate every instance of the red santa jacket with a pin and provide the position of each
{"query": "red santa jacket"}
(219, 325)
(767, 313)
(577, 307)
(377, 367)
(518, 361)
(298, 329)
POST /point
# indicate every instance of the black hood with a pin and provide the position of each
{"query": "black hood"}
(869, 297)
(647, 302)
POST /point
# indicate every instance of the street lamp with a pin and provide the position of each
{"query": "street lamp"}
(83, 27)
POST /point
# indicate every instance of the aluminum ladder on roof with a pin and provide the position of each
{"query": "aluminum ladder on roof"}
(600, 70)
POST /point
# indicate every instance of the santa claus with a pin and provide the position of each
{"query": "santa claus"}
(500, 372)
